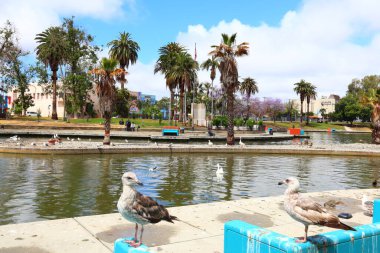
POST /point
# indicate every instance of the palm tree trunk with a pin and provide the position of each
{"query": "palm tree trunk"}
(181, 105)
(230, 116)
(301, 113)
(107, 128)
(376, 124)
(54, 115)
(307, 113)
(247, 117)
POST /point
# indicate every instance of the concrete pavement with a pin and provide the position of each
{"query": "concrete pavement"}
(200, 228)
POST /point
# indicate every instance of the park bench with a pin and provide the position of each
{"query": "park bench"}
(170, 130)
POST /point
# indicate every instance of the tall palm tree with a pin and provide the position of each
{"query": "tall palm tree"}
(248, 87)
(166, 61)
(225, 53)
(372, 98)
(300, 89)
(105, 79)
(125, 51)
(212, 64)
(311, 93)
(52, 51)
(184, 73)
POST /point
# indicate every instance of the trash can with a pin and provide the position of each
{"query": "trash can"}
(182, 130)
(270, 130)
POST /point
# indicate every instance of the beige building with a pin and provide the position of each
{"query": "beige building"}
(42, 100)
(316, 105)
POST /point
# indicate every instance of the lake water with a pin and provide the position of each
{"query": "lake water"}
(39, 187)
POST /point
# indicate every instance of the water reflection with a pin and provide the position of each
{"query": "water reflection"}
(49, 187)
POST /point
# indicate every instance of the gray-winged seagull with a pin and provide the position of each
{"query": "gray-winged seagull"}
(138, 208)
(306, 210)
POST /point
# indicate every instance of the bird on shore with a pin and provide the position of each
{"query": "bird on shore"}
(45, 144)
(219, 169)
(367, 205)
(306, 210)
(126, 141)
(210, 143)
(241, 144)
(68, 138)
(33, 144)
(156, 144)
(78, 139)
(374, 183)
(14, 138)
(138, 208)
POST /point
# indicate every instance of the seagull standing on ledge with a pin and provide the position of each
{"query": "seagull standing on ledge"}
(210, 143)
(242, 144)
(306, 210)
(138, 208)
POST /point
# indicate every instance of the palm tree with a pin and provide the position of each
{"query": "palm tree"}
(212, 64)
(105, 79)
(166, 61)
(225, 53)
(248, 87)
(184, 73)
(310, 93)
(125, 51)
(372, 98)
(52, 51)
(322, 111)
(300, 89)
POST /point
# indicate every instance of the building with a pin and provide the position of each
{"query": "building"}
(327, 103)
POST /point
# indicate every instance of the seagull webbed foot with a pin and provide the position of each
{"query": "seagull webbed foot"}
(301, 239)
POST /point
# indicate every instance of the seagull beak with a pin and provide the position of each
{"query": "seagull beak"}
(281, 183)
(139, 183)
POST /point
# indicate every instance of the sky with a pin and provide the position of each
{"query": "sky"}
(325, 42)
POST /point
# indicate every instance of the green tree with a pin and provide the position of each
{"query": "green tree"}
(248, 87)
(226, 53)
(372, 98)
(52, 51)
(184, 73)
(122, 102)
(125, 51)
(348, 109)
(166, 61)
(211, 64)
(322, 111)
(301, 89)
(105, 79)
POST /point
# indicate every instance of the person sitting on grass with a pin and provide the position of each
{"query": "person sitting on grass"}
(121, 122)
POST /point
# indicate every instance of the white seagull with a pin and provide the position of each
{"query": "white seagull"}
(138, 208)
(14, 138)
(219, 169)
(367, 205)
(68, 138)
(241, 144)
(210, 143)
(126, 140)
(306, 210)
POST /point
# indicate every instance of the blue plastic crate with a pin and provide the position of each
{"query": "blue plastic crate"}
(121, 246)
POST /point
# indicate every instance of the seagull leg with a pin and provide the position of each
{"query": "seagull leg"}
(133, 241)
(305, 238)
(141, 234)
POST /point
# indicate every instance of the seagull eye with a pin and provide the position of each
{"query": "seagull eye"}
(129, 178)
(287, 180)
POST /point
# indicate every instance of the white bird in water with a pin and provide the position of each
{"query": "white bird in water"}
(210, 143)
(219, 169)
(153, 169)
(306, 210)
(367, 205)
(241, 144)
(14, 138)
(138, 208)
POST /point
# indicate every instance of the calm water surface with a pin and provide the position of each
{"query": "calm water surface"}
(49, 187)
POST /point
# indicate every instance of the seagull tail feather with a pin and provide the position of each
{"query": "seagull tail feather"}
(171, 218)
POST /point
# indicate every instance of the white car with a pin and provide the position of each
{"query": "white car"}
(31, 114)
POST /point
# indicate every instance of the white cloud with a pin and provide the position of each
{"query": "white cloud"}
(315, 43)
(32, 17)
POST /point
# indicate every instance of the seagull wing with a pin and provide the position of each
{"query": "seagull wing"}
(150, 210)
(312, 211)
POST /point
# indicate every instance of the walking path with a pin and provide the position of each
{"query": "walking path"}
(200, 228)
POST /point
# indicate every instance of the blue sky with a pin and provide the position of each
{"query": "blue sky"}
(326, 42)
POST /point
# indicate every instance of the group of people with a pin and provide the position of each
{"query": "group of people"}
(129, 126)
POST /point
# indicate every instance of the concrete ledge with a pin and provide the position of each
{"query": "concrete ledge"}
(240, 236)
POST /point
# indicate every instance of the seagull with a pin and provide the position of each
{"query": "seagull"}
(219, 169)
(78, 139)
(55, 136)
(14, 138)
(242, 144)
(156, 144)
(138, 208)
(306, 210)
(170, 145)
(153, 169)
(367, 205)
(126, 140)
(33, 144)
(45, 144)
(210, 143)
(68, 138)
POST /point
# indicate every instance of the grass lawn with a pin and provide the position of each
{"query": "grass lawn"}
(311, 126)
(140, 122)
